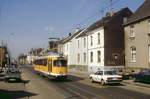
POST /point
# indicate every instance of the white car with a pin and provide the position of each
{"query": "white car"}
(106, 77)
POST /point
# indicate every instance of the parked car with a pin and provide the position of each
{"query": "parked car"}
(2, 75)
(13, 74)
(106, 77)
(143, 76)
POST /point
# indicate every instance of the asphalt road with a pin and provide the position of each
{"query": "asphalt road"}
(78, 88)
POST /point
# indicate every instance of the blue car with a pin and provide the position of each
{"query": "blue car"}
(143, 76)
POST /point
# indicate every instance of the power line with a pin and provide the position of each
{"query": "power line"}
(102, 11)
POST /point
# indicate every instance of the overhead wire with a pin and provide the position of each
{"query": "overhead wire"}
(102, 11)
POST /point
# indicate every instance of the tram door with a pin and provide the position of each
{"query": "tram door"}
(50, 65)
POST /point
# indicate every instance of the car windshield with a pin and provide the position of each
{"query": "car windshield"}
(110, 72)
(146, 72)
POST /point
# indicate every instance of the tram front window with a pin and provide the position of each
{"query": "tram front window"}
(60, 63)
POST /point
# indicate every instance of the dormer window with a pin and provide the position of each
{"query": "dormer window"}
(98, 37)
(91, 40)
(132, 32)
(78, 43)
(124, 19)
(84, 42)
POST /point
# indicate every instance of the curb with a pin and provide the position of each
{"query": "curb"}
(124, 82)
(79, 74)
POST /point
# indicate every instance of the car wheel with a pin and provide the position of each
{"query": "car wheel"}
(18, 80)
(6, 80)
(135, 80)
(91, 79)
(102, 82)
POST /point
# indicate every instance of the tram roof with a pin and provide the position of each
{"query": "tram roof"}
(50, 54)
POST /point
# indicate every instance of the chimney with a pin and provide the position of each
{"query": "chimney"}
(110, 13)
(76, 30)
(69, 34)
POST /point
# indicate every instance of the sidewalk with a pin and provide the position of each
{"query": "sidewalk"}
(79, 73)
(125, 82)
(131, 82)
(42, 89)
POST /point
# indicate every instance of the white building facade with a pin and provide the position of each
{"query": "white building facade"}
(99, 46)
(96, 49)
(71, 49)
(82, 53)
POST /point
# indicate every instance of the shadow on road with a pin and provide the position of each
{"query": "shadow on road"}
(110, 84)
(70, 78)
(119, 84)
(6, 94)
(25, 81)
(19, 81)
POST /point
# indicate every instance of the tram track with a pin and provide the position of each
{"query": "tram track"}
(72, 88)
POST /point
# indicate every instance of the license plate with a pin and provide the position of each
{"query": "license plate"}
(12, 79)
(114, 78)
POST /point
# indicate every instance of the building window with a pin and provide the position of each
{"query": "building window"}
(125, 19)
(98, 56)
(91, 59)
(132, 32)
(67, 47)
(149, 26)
(84, 42)
(91, 40)
(149, 53)
(78, 43)
(133, 54)
(98, 37)
(84, 57)
(78, 57)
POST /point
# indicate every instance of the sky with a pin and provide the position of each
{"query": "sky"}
(26, 24)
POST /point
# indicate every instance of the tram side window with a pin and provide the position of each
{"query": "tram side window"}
(44, 62)
(59, 63)
(41, 62)
(36, 62)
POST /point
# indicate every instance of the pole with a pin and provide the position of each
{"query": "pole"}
(7, 56)
(111, 7)
(2, 53)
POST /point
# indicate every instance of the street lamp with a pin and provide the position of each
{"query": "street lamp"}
(7, 57)
(2, 53)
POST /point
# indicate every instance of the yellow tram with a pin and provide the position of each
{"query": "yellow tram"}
(51, 66)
